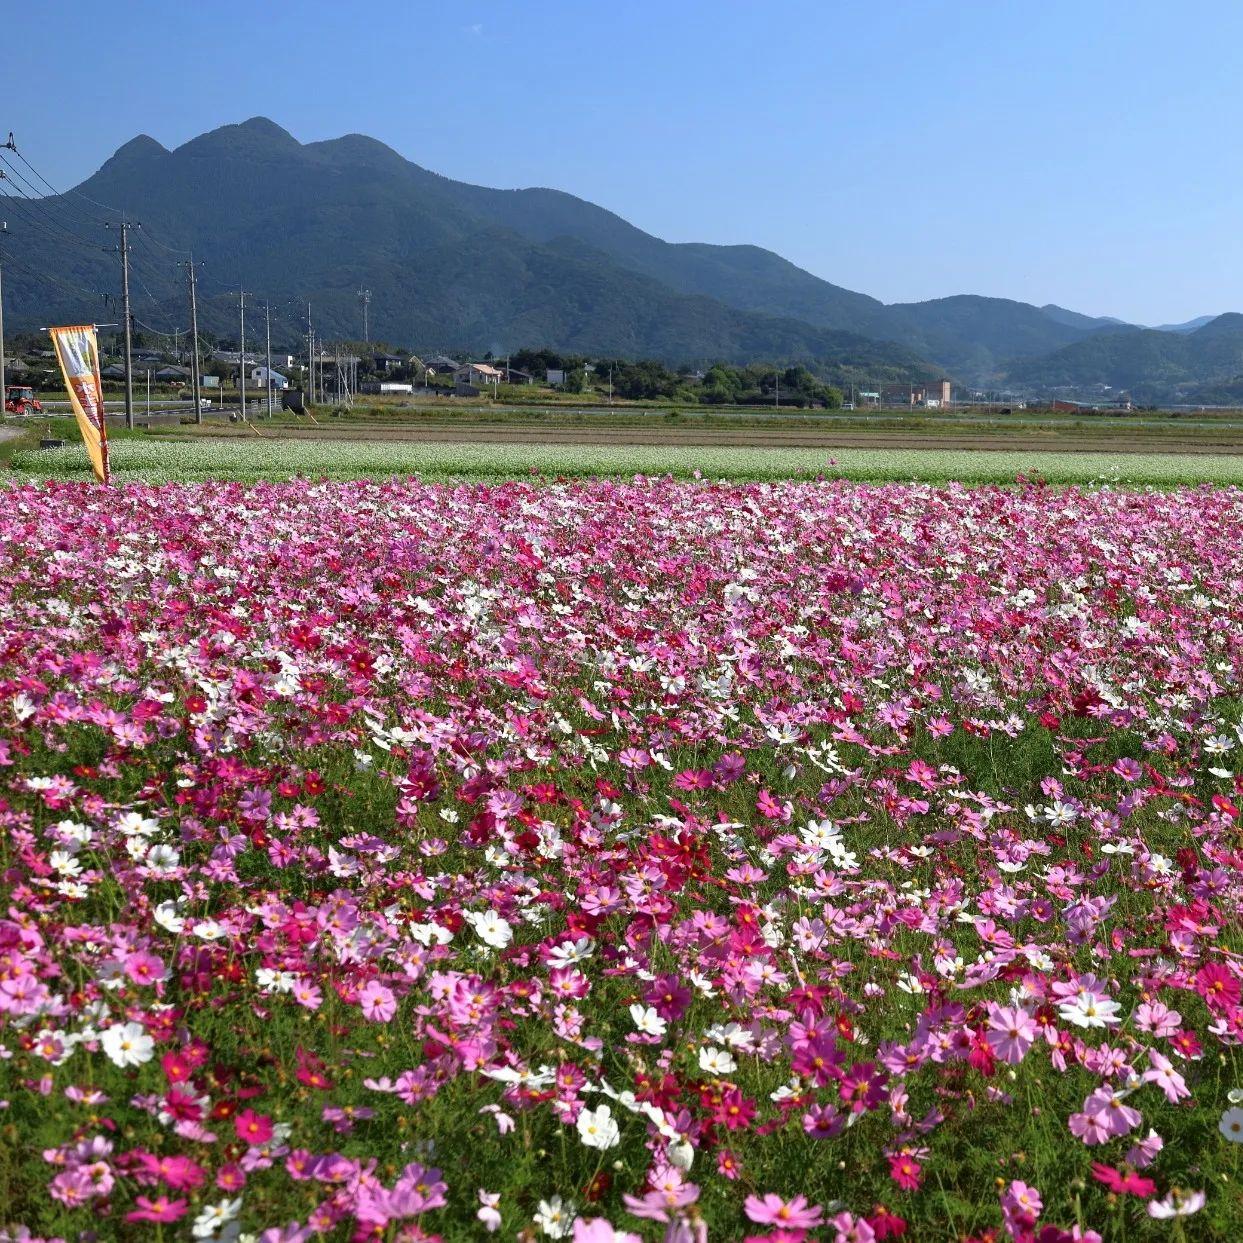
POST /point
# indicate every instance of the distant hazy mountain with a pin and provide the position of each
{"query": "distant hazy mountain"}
(1090, 323)
(1189, 325)
(1150, 363)
(458, 266)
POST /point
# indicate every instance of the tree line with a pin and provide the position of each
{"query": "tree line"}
(649, 380)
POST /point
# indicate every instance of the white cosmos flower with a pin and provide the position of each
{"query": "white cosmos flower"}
(215, 1216)
(1038, 958)
(597, 1129)
(273, 981)
(1089, 1011)
(732, 1034)
(163, 859)
(647, 1020)
(568, 953)
(132, 824)
(534, 1080)
(1231, 1125)
(491, 929)
(1177, 1204)
(209, 930)
(681, 1154)
(555, 1217)
(127, 1044)
(169, 917)
(715, 1061)
(425, 934)
(65, 862)
(74, 831)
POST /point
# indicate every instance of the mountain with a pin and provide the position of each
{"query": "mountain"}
(449, 265)
(1189, 325)
(1153, 365)
(967, 334)
(455, 266)
(1089, 323)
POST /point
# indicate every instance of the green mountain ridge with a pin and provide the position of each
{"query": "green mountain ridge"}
(459, 266)
(1151, 364)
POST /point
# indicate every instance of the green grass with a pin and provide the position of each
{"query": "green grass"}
(163, 460)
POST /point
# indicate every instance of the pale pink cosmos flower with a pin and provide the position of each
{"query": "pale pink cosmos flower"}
(1011, 1032)
(377, 1002)
(793, 1214)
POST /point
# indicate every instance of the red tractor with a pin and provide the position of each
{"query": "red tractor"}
(19, 400)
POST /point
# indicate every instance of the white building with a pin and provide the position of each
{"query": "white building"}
(261, 377)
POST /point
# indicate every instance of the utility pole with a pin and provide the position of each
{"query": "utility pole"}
(194, 344)
(364, 296)
(267, 319)
(310, 355)
(777, 379)
(125, 227)
(241, 353)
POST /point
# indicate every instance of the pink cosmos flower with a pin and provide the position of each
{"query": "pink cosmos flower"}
(253, 1128)
(1123, 1182)
(772, 1210)
(378, 1003)
(1161, 1072)
(1011, 1032)
(144, 968)
(599, 1230)
(159, 1209)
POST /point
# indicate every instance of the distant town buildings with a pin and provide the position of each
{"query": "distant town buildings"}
(931, 396)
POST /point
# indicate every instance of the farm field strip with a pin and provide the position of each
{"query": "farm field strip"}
(623, 431)
(258, 456)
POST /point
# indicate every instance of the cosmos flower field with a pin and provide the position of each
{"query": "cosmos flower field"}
(603, 861)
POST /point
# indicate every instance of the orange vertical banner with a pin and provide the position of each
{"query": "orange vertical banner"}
(77, 349)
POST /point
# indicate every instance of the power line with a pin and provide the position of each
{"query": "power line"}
(175, 250)
(10, 261)
(161, 332)
(63, 197)
(36, 213)
(12, 146)
(46, 223)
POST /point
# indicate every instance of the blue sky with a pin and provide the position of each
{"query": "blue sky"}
(1081, 152)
